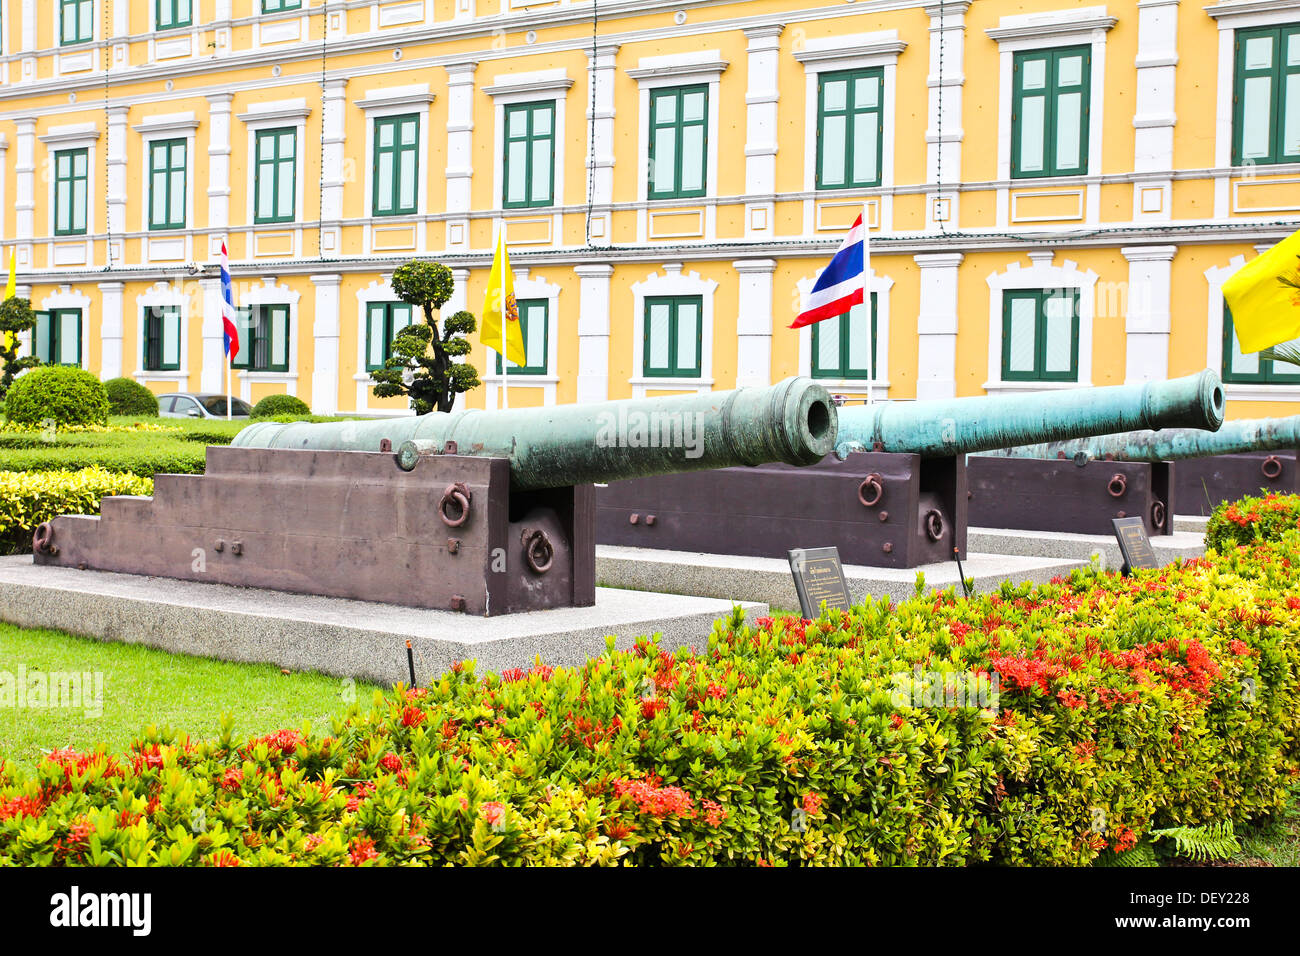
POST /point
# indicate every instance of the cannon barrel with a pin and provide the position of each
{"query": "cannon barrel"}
(1173, 444)
(793, 422)
(969, 425)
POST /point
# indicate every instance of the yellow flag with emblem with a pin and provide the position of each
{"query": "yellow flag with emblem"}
(499, 307)
(1264, 296)
(10, 287)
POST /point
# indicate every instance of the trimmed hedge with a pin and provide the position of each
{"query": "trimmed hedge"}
(1126, 704)
(1252, 519)
(140, 449)
(66, 395)
(126, 396)
(275, 405)
(28, 499)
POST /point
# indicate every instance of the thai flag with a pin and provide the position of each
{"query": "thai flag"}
(839, 287)
(228, 316)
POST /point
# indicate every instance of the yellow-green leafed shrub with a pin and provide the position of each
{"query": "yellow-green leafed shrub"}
(1252, 520)
(29, 498)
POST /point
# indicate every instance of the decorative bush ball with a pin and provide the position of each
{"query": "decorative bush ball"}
(126, 396)
(65, 395)
(276, 405)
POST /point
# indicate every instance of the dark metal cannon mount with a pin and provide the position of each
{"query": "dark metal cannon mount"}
(482, 512)
(897, 495)
(1204, 483)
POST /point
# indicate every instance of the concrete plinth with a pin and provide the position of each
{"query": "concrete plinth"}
(334, 635)
(1168, 547)
(1195, 523)
(768, 580)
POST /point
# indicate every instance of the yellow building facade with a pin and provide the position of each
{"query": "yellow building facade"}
(1055, 193)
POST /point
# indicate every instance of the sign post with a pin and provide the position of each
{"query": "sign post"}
(1134, 544)
(818, 578)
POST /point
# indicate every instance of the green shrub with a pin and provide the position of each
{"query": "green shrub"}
(1251, 520)
(66, 395)
(1125, 706)
(178, 450)
(28, 499)
(274, 405)
(126, 396)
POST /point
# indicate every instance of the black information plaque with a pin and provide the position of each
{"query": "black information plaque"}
(1134, 544)
(818, 577)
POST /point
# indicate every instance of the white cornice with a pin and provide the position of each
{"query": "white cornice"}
(1237, 8)
(67, 135)
(174, 123)
(710, 67)
(293, 114)
(880, 48)
(1035, 26)
(403, 96)
(507, 83)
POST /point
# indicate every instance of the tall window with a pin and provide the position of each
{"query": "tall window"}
(1249, 367)
(167, 163)
(275, 6)
(1266, 96)
(76, 21)
(275, 172)
(172, 13)
(678, 142)
(849, 128)
(56, 340)
(162, 338)
(383, 321)
(845, 347)
(673, 336)
(71, 182)
(397, 163)
(1049, 112)
(263, 338)
(534, 320)
(1040, 335)
(530, 154)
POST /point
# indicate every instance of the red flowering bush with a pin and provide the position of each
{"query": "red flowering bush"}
(1123, 704)
(1252, 520)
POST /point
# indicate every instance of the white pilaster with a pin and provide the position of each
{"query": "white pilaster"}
(29, 40)
(1154, 116)
(212, 376)
(110, 329)
(593, 331)
(25, 189)
(599, 164)
(1147, 323)
(218, 167)
(761, 130)
(325, 338)
(936, 325)
(944, 132)
(334, 174)
(460, 159)
(754, 322)
(117, 185)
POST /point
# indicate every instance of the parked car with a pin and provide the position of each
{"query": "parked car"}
(192, 405)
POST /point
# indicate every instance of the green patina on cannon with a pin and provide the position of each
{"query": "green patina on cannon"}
(937, 429)
(481, 512)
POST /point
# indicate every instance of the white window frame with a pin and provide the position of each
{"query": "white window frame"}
(379, 290)
(150, 130)
(672, 281)
(879, 286)
(162, 293)
(56, 140)
(278, 115)
(527, 287)
(69, 298)
(852, 52)
(672, 70)
(1082, 26)
(272, 293)
(396, 101)
(507, 90)
(1042, 274)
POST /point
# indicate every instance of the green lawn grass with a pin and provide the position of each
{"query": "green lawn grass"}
(143, 686)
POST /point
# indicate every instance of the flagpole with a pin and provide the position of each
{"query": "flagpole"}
(230, 395)
(866, 308)
(505, 362)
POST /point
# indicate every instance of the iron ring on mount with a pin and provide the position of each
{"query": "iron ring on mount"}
(933, 524)
(1271, 467)
(457, 496)
(873, 483)
(1117, 485)
(538, 550)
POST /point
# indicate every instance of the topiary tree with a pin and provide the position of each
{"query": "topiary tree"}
(430, 381)
(62, 393)
(126, 396)
(274, 405)
(16, 316)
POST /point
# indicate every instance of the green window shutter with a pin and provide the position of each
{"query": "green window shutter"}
(849, 128)
(275, 6)
(1051, 91)
(534, 322)
(172, 13)
(71, 185)
(1040, 335)
(244, 324)
(76, 21)
(383, 321)
(64, 342)
(42, 345)
(841, 345)
(162, 338)
(673, 336)
(678, 142)
(167, 175)
(529, 160)
(396, 165)
(1266, 96)
(275, 175)
(278, 331)
(1249, 367)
